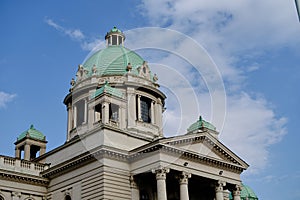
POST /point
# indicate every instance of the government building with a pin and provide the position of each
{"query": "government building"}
(115, 147)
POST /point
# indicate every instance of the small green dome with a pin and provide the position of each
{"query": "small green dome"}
(113, 60)
(32, 133)
(248, 193)
(201, 124)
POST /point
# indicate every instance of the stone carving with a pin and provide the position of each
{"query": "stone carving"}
(73, 82)
(94, 69)
(129, 67)
(81, 72)
(161, 172)
(183, 177)
(237, 191)
(155, 78)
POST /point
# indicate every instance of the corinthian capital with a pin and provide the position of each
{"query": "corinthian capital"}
(183, 178)
(161, 172)
(237, 191)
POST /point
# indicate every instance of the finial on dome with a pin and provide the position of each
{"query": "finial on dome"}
(114, 37)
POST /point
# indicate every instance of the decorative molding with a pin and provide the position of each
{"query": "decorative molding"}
(20, 178)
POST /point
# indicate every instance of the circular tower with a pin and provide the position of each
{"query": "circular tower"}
(115, 90)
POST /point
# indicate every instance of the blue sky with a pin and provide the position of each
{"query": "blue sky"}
(254, 45)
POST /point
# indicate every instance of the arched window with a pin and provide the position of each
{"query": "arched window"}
(68, 197)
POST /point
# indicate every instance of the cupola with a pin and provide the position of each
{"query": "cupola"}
(202, 126)
(114, 37)
(31, 142)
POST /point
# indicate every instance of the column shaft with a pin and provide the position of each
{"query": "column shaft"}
(152, 113)
(161, 174)
(75, 117)
(183, 181)
(85, 112)
(17, 153)
(27, 152)
(161, 189)
(135, 193)
(131, 108)
(139, 108)
(219, 190)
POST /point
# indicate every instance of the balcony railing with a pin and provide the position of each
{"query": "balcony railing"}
(23, 166)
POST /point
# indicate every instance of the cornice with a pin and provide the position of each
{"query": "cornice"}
(211, 142)
(139, 154)
(23, 178)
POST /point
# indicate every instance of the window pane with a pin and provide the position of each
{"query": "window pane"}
(113, 112)
(98, 112)
(80, 112)
(145, 109)
(114, 40)
(120, 40)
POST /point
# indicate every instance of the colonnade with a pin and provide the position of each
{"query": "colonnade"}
(161, 175)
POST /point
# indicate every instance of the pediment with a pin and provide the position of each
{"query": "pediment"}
(205, 145)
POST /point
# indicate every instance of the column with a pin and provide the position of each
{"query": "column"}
(139, 108)
(152, 113)
(42, 151)
(135, 193)
(131, 107)
(183, 182)
(159, 115)
(70, 120)
(237, 192)
(17, 153)
(75, 116)
(27, 152)
(161, 174)
(85, 111)
(219, 190)
(91, 115)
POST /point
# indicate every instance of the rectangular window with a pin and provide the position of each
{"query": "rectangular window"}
(98, 112)
(113, 112)
(80, 105)
(120, 40)
(145, 109)
(114, 40)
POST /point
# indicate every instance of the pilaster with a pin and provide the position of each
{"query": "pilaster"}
(135, 193)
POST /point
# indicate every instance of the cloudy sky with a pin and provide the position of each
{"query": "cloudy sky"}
(234, 62)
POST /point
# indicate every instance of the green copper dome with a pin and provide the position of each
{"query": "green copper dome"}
(201, 124)
(246, 194)
(32, 133)
(113, 60)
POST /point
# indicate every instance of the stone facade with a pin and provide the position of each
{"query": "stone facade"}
(116, 149)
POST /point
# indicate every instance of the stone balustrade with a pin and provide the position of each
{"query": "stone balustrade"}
(17, 165)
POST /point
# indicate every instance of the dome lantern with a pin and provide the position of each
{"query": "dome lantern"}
(114, 37)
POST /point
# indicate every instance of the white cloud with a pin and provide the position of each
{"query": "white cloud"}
(251, 127)
(5, 98)
(77, 35)
(233, 32)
